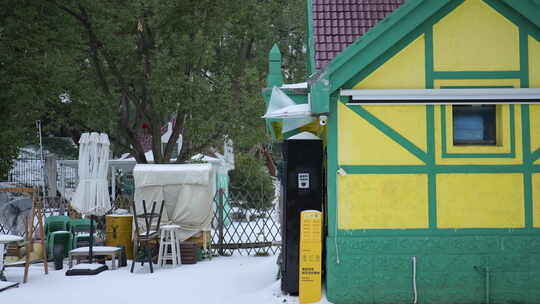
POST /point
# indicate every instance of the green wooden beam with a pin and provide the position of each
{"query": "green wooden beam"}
(311, 66)
(275, 77)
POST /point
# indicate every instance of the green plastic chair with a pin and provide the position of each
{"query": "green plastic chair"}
(80, 228)
(56, 223)
(57, 231)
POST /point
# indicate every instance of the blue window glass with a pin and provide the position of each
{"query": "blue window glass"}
(474, 124)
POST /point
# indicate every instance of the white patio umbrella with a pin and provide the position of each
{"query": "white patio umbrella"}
(92, 194)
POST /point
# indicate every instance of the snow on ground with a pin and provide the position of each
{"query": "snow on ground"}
(234, 279)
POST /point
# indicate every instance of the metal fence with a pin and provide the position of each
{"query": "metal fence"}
(246, 223)
(51, 174)
(26, 172)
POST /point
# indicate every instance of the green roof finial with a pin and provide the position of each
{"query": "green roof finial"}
(274, 78)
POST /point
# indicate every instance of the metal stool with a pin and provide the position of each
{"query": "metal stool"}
(166, 239)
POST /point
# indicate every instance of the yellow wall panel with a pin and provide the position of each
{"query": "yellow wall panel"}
(405, 70)
(534, 82)
(536, 199)
(475, 37)
(360, 143)
(480, 201)
(534, 111)
(373, 201)
(409, 121)
(534, 63)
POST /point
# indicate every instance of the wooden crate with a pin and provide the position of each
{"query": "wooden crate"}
(199, 238)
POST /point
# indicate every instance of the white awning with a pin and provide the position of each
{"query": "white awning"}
(445, 96)
(283, 107)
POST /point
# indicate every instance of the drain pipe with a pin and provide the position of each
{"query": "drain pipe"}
(415, 291)
(340, 172)
(487, 279)
(487, 284)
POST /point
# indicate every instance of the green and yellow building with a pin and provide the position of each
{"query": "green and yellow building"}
(432, 151)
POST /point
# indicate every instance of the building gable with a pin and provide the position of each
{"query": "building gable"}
(434, 20)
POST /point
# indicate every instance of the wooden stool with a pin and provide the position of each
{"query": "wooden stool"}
(166, 239)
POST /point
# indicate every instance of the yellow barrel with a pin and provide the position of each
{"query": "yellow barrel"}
(118, 229)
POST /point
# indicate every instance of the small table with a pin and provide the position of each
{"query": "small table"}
(6, 239)
(114, 252)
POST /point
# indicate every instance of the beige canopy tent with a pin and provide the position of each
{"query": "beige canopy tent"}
(187, 190)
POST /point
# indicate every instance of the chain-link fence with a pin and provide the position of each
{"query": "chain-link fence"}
(246, 210)
(246, 222)
(18, 207)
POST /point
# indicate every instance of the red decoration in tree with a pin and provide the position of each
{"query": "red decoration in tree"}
(145, 126)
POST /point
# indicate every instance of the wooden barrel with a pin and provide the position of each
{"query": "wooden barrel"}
(119, 231)
(188, 250)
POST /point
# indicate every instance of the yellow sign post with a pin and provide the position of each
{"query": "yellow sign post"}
(310, 256)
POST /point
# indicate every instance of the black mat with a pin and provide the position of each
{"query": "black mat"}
(76, 272)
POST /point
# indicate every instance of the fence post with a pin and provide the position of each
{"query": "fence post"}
(221, 222)
(50, 173)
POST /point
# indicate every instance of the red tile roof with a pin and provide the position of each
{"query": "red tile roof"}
(338, 23)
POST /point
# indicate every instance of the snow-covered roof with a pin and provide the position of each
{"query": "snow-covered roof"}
(304, 136)
(300, 85)
(150, 175)
(126, 156)
(206, 158)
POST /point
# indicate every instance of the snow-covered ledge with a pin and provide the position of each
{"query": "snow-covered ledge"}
(299, 85)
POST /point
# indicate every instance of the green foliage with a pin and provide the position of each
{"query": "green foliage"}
(12, 137)
(62, 147)
(250, 184)
(19, 105)
(9, 148)
(124, 64)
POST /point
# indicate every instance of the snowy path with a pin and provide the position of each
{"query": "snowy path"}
(236, 279)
